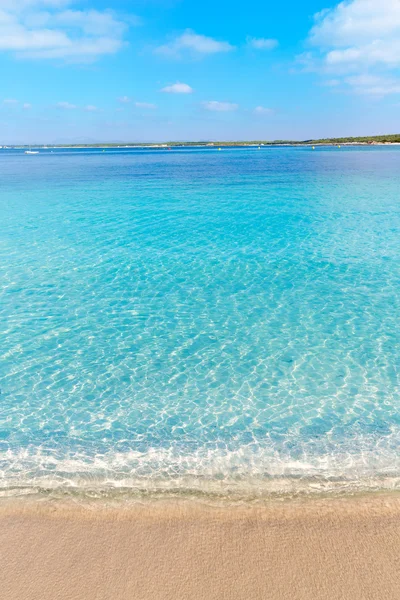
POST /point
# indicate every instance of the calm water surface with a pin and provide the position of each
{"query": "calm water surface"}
(194, 317)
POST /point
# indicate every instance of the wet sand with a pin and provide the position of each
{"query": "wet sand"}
(331, 549)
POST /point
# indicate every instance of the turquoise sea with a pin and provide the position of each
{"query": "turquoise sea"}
(200, 320)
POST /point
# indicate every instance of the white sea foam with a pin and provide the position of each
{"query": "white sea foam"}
(242, 471)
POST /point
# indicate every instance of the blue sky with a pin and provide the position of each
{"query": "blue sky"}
(146, 70)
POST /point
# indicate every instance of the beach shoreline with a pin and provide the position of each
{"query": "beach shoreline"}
(315, 548)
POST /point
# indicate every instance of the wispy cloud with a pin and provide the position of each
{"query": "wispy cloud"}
(331, 82)
(263, 110)
(66, 105)
(373, 85)
(10, 101)
(147, 105)
(214, 105)
(124, 99)
(27, 106)
(50, 29)
(91, 108)
(262, 43)
(193, 43)
(358, 41)
(178, 88)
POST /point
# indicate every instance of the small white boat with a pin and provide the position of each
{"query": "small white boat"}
(31, 151)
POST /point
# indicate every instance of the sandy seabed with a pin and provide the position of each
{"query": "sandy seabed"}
(330, 549)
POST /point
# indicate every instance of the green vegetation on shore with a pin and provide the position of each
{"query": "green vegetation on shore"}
(375, 139)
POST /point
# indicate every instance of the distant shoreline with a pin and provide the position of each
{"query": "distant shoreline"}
(215, 146)
(381, 140)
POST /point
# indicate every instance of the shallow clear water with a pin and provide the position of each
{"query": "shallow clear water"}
(185, 317)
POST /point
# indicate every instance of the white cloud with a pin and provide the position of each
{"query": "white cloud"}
(91, 108)
(263, 110)
(145, 105)
(384, 53)
(331, 82)
(262, 43)
(26, 106)
(215, 106)
(358, 39)
(356, 22)
(194, 43)
(124, 99)
(66, 105)
(85, 51)
(178, 88)
(10, 101)
(373, 85)
(91, 22)
(363, 80)
(50, 29)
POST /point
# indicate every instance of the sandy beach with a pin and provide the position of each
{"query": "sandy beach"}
(182, 550)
